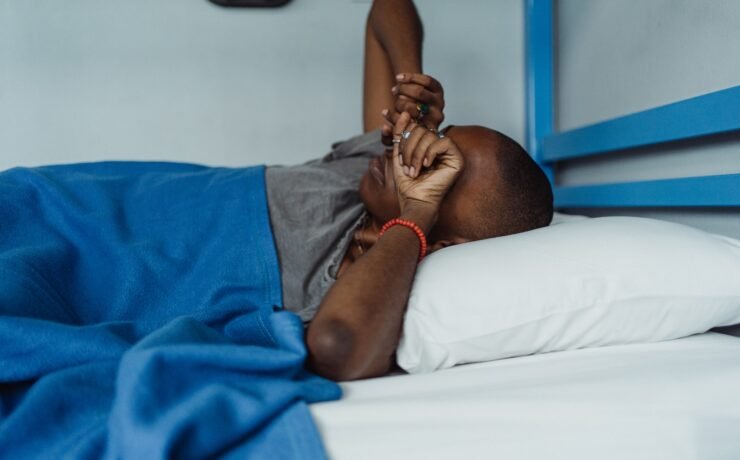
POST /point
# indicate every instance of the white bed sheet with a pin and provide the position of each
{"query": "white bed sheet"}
(668, 400)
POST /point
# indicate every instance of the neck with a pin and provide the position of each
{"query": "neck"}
(365, 237)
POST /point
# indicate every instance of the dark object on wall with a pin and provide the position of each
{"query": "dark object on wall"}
(241, 3)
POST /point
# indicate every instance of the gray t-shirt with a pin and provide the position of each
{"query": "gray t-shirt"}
(315, 208)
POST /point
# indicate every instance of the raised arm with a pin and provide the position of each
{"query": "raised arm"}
(356, 330)
(393, 40)
(393, 63)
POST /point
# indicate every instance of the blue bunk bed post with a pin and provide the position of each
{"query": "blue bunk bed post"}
(539, 71)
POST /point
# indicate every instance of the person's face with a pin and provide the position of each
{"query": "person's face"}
(378, 189)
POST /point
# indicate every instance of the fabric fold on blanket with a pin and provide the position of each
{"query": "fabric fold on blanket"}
(140, 317)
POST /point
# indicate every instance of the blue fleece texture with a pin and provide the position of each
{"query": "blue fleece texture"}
(140, 317)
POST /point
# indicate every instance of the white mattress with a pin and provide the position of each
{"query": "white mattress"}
(669, 400)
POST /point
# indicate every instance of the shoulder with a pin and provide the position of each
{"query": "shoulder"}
(367, 144)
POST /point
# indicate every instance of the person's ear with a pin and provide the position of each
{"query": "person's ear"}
(439, 245)
(443, 243)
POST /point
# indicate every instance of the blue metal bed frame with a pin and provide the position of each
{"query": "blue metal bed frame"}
(701, 116)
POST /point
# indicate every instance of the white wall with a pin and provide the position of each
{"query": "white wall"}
(619, 57)
(184, 80)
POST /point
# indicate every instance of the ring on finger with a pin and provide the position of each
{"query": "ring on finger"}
(436, 132)
(396, 140)
(405, 135)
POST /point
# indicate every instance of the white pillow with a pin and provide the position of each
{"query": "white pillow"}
(583, 283)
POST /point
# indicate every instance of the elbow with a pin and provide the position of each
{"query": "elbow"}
(331, 348)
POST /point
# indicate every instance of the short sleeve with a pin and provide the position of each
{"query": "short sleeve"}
(368, 144)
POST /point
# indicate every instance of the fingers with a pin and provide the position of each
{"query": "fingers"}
(408, 98)
(391, 117)
(434, 118)
(420, 79)
(431, 120)
(420, 156)
(409, 147)
(408, 134)
(406, 105)
(386, 134)
(417, 93)
(414, 89)
(399, 126)
(387, 129)
(419, 150)
(447, 154)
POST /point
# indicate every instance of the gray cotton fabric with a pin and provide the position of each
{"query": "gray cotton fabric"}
(315, 208)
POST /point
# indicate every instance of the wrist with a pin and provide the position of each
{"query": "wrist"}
(406, 66)
(422, 214)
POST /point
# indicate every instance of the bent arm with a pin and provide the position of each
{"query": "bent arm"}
(355, 332)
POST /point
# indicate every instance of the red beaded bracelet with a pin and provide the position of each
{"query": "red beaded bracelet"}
(412, 226)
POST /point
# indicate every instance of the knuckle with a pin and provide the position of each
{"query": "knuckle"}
(429, 155)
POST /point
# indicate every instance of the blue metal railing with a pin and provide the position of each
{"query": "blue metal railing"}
(702, 191)
(539, 62)
(712, 113)
(697, 117)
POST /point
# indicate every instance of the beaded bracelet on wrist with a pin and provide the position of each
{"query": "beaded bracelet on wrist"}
(410, 225)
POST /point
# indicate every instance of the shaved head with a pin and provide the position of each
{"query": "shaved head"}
(501, 191)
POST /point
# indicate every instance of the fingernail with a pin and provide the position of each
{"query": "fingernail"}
(412, 170)
(399, 76)
(426, 162)
(384, 112)
(394, 89)
(406, 170)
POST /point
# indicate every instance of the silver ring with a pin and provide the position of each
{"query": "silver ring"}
(396, 141)
(440, 135)
(405, 135)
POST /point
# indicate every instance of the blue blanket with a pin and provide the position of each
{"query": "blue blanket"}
(140, 317)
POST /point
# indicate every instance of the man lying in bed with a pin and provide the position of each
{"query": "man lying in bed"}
(468, 184)
(149, 242)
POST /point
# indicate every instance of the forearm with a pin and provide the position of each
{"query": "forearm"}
(398, 29)
(356, 331)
